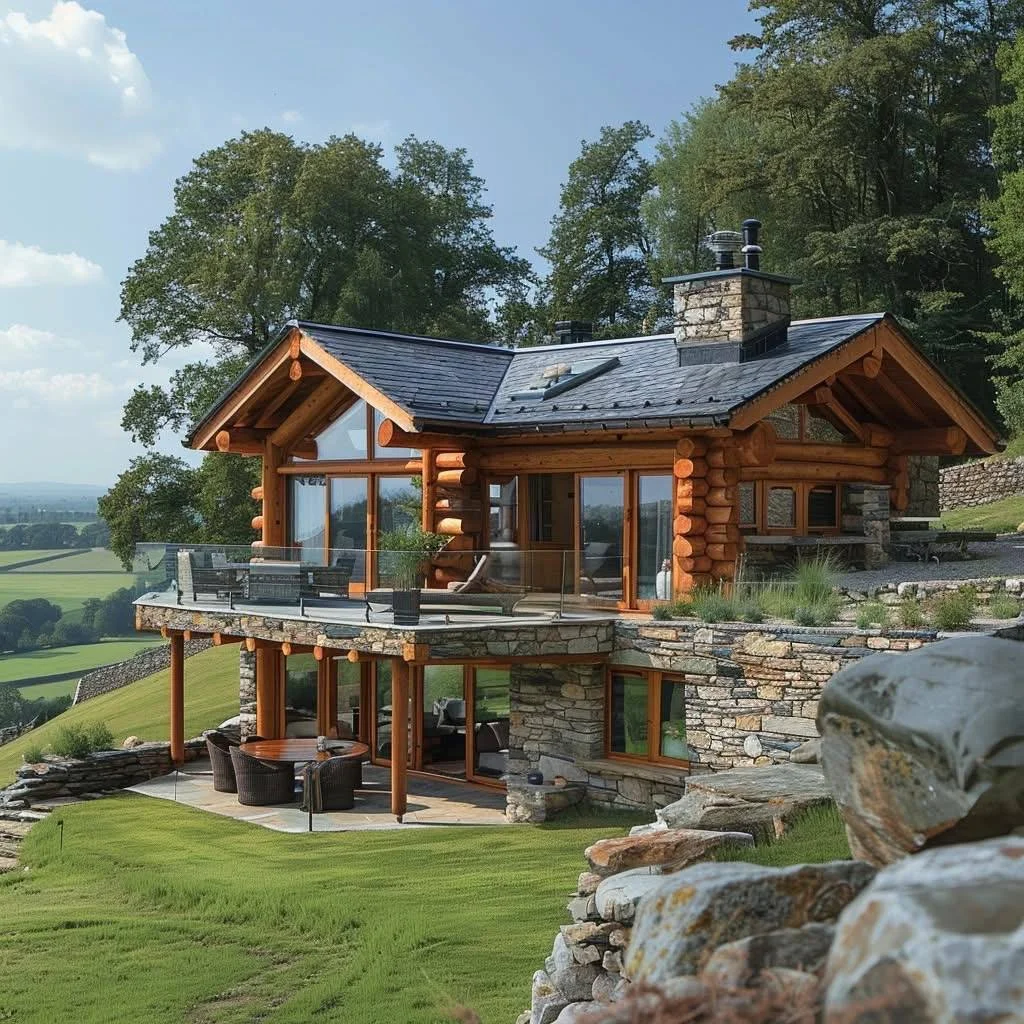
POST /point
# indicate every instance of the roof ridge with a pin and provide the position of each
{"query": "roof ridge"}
(484, 346)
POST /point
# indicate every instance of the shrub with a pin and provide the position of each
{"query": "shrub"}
(33, 754)
(955, 609)
(661, 612)
(750, 609)
(872, 613)
(778, 600)
(711, 604)
(911, 614)
(81, 740)
(809, 615)
(815, 580)
(681, 610)
(1004, 606)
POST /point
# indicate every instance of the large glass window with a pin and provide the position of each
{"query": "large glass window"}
(348, 521)
(300, 695)
(350, 689)
(307, 513)
(398, 506)
(444, 719)
(504, 509)
(490, 721)
(647, 717)
(629, 714)
(345, 438)
(654, 537)
(602, 514)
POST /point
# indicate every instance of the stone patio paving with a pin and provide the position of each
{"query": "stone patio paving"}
(432, 802)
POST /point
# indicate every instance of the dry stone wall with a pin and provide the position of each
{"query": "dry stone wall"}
(145, 663)
(978, 483)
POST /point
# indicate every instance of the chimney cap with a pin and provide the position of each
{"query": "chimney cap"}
(733, 272)
(573, 332)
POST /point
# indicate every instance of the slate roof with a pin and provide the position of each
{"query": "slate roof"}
(446, 382)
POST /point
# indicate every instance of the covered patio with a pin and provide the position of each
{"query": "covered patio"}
(430, 801)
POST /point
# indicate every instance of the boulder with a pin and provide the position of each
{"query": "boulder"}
(575, 1013)
(546, 1002)
(670, 849)
(807, 753)
(131, 742)
(573, 980)
(927, 748)
(738, 964)
(935, 937)
(756, 800)
(618, 896)
(681, 922)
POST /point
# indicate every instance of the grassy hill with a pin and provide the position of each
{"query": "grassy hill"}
(21, 669)
(1002, 516)
(142, 709)
(69, 590)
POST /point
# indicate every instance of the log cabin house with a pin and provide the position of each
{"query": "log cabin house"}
(609, 473)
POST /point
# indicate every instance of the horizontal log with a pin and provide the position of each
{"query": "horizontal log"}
(932, 441)
(720, 457)
(723, 477)
(869, 366)
(257, 522)
(691, 486)
(686, 468)
(222, 639)
(699, 563)
(691, 447)
(722, 495)
(687, 582)
(723, 570)
(689, 546)
(456, 477)
(756, 446)
(246, 441)
(458, 504)
(454, 526)
(690, 505)
(576, 457)
(828, 473)
(718, 514)
(821, 395)
(723, 552)
(723, 533)
(353, 467)
(843, 454)
(257, 493)
(691, 524)
(456, 460)
(878, 436)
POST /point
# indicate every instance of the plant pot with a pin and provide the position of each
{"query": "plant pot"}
(406, 607)
(675, 747)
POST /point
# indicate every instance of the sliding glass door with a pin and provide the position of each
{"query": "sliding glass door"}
(602, 522)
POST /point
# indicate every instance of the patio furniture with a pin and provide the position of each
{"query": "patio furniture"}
(280, 582)
(491, 747)
(291, 751)
(195, 578)
(332, 579)
(330, 785)
(218, 746)
(261, 783)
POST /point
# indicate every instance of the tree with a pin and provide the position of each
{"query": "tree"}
(599, 246)
(153, 499)
(224, 502)
(265, 229)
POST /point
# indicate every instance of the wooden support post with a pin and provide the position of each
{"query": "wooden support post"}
(399, 736)
(689, 562)
(723, 540)
(273, 524)
(270, 697)
(324, 720)
(177, 698)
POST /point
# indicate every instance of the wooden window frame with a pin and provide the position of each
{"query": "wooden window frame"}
(802, 489)
(654, 678)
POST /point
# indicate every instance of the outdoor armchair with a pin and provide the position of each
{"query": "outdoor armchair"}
(330, 785)
(218, 746)
(261, 783)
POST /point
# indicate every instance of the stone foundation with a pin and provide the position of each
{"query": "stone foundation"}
(528, 802)
(246, 692)
(866, 513)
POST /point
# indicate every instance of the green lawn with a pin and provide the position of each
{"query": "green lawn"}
(33, 691)
(15, 668)
(86, 560)
(211, 695)
(68, 590)
(1001, 516)
(13, 557)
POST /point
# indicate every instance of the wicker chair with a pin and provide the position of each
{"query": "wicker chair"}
(330, 785)
(218, 746)
(260, 783)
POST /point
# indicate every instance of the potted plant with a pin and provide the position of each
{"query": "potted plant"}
(402, 564)
(673, 740)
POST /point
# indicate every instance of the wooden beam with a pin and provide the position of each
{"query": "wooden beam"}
(308, 415)
(934, 441)
(312, 351)
(270, 696)
(268, 414)
(319, 652)
(275, 362)
(845, 454)
(416, 653)
(560, 456)
(177, 699)
(898, 398)
(804, 380)
(821, 395)
(352, 467)
(245, 441)
(870, 366)
(295, 370)
(357, 656)
(274, 526)
(878, 436)
(221, 639)
(324, 722)
(399, 736)
(859, 393)
(824, 472)
(841, 413)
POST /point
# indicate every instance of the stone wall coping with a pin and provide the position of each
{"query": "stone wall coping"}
(635, 769)
(778, 630)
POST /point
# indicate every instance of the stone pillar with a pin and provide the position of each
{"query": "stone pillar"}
(866, 511)
(246, 691)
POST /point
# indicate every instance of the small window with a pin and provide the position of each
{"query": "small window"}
(673, 721)
(821, 508)
(629, 714)
(748, 504)
(781, 507)
(786, 422)
(647, 717)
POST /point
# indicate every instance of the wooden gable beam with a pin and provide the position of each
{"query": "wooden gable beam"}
(933, 441)
(845, 417)
(860, 395)
(340, 372)
(267, 417)
(806, 380)
(896, 395)
(275, 361)
(315, 408)
(245, 441)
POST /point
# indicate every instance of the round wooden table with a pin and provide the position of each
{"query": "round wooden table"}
(289, 751)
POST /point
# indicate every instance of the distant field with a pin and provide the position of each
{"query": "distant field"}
(76, 523)
(15, 668)
(87, 560)
(11, 557)
(33, 691)
(68, 590)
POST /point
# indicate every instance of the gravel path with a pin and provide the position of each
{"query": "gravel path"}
(1004, 557)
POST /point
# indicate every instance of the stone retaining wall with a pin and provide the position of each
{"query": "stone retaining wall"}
(121, 673)
(923, 498)
(978, 483)
(103, 771)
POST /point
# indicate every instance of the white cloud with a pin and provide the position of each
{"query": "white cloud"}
(70, 84)
(372, 130)
(22, 265)
(291, 116)
(26, 387)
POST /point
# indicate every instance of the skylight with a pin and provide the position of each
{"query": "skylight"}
(558, 377)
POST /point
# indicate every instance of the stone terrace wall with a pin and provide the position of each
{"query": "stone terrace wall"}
(978, 483)
(121, 673)
(103, 771)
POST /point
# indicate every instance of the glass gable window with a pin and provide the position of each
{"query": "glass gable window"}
(380, 451)
(307, 512)
(654, 538)
(345, 438)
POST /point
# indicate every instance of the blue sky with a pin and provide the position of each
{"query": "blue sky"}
(104, 104)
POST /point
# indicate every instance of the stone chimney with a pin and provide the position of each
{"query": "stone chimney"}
(573, 332)
(732, 312)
